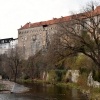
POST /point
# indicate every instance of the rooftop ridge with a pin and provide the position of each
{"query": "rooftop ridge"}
(54, 20)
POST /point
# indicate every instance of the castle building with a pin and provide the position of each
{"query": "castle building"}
(6, 44)
(33, 37)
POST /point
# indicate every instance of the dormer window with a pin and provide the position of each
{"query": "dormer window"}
(45, 26)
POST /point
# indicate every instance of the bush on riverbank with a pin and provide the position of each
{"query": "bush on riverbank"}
(96, 75)
(52, 77)
(56, 76)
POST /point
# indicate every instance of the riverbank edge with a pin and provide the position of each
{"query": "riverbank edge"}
(91, 93)
(6, 86)
(10, 87)
(3, 88)
(88, 91)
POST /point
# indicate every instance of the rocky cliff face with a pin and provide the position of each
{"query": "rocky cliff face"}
(91, 82)
(72, 75)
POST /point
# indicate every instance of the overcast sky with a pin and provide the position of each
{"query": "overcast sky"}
(14, 13)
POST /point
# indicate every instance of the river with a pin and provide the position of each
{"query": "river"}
(45, 92)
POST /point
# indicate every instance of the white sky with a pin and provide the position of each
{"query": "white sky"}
(15, 13)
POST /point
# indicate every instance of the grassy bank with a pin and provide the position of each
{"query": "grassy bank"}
(91, 93)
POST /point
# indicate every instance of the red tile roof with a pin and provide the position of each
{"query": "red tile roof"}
(97, 10)
(54, 21)
(49, 22)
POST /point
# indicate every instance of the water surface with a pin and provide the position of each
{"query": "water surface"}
(45, 92)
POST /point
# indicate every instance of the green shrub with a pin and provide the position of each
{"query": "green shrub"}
(60, 74)
(96, 75)
(84, 70)
(56, 76)
(52, 77)
(26, 77)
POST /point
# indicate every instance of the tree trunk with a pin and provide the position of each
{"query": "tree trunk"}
(15, 77)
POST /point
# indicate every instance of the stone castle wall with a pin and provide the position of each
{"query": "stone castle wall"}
(32, 40)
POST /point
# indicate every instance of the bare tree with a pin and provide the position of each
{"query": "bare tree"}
(14, 60)
(81, 34)
(34, 66)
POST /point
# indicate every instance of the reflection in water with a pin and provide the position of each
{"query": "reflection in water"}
(74, 93)
(45, 92)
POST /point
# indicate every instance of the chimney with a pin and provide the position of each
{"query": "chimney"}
(54, 18)
(29, 24)
(93, 7)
